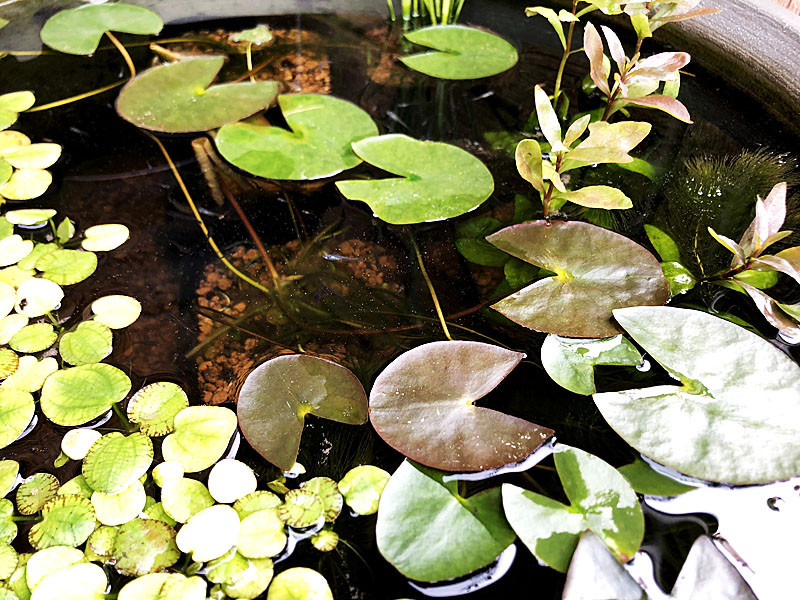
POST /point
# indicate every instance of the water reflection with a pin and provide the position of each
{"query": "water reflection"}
(472, 583)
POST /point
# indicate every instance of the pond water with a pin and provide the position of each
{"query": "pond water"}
(359, 295)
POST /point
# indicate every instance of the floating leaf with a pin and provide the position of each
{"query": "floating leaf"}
(257, 35)
(12, 104)
(103, 238)
(165, 471)
(67, 520)
(77, 485)
(144, 546)
(183, 498)
(430, 533)
(120, 507)
(664, 245)
(422, 405)
(597, 271)
(601, 500)
(78, 30)
(148, 587)
(11, 139)
(481, 252)
(10, 325)
(65, 231)
(67, 267)
(301, 508)
(155, 406)
(115, 461)
(246, 578)
(101, 543)
(8, 298)
(318, 144)
(179, 587)
(437, 180)
(116, 312)
(34, 492)
(33, 338)
(30, 216)
(362, 487)
(13, 249)
(707, 573)
(77, 395)
(328, 492)
(230, 480)
(277, 395)
(89, 343)
(570, 362)
(708, 427)
(9, 469)
(262, 534)
(9, 361)
(299, 582)
(37, 297)
(51, 560)
(81, 581)
(157, 512)
(16, 411)
(210, 533)
(31, 373)
(459, 52)
(595, 573)
(8, 528)
(9, 559)
(39, 250)
(25, 184)
(325, 541)
(32, 156)
(679, 278)
(645, 480)
(252, 503)
(201, 436)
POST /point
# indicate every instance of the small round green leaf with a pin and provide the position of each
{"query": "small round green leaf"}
(155, 406)
(120, 507)
(253, 582)
(210, 533)
(262, 534)
(165, 471)
(257, 35)
(50, 560)
(16, 411)
(77, 485)
(230, 480)
(68, 520)
(301, 508)
(103, 238)
(8, 298)
(30, 216)
(258, 500)
(362, 487)
(32, 156)
(13, 249)
(33, 338)
(116, 312)
(9, 361)
(183, 498)
(31, 373)
(147, 587)
(200, 438)
(332, 499)
(25, 184)
(325, 541)
(645, 480)
(9, 559)
(67, 267)
(76, 442)
(36, 297)
(13, 103)
(144, 546)
(299, 582)
(9, 469)
(34, 492)
(115, 461)
(75, 396)
(82, 581)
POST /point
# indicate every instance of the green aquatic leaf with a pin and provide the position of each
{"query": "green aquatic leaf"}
(67, 267)
(16, 411)
(664, 245)
(299, 582)
(570, 362)
(597, 271)
(120, 507)
(9, 559)
(459, 52)
(258, 35)
(144, 546)
(183, 498)
(209, 533)
(30, 374)
(106, 237)
(13, 249)
(12, 104)
(595, 573)
(422, 405)
(253, 582)
(89, 343)
(50, 560)
(8, 528)
(328, 492)
(81, 581)
(9, 361)
(645, 480)
(6, 170)
(519, 273)
(596, 196)
(262, 534)
(65, 231)
(9, 469)
(601, 500)
(155, 406)
(30, 216)
(326, 540)
(278, 394)
(32, 156)
(761, 280)
(101, 543)
(679, 278)
(25, 184)
(362, 487)
(78, 30)
(35, 491)
(252, 503)
(8, 298)
(481, 252)
(9, 326)
(77, 395)
(428, 532)
(317, 144)
(39, 250)
(77, 485)
(708, 427)
(230, 480)
(528, 156)
(37, 297)
(116, 312)
(437, 180)
(67, 520)
(301, 508)
(165, 471)
(115, 461)
(200, 438)
(156, 511)
(148, 587)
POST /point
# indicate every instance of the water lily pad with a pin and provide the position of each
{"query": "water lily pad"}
(10, 139)
(252, 503)
(16, 411)
(645, 480)
(25, 184)
(31, 373)
(299, 582)
(39, 250)
(155, 406)
(252, 582)
(437, 180)
(115, 461)
(362, 487)
(10, 325)
(422, 405)
(8, 528)
(301, 508)
(77, 485)
(33, 338)
(32, 156)
(201, 436)
(34, 492)
(81, 581)
(597, 271)
(89, 343)
(325, 541)
(30, 216)
(230, 480)
(595, 573)
(9, 559)
(101, 543)
(183, 498)
(165, 471)
(8, 298)
(14, 276)
(50, 560)
(460, 52)
(116, 312)
(12, 104)
(328, 492)
(278, 394)
(103, 238)
(148, 587)
(67, 267)
(78, 30)
(13, 248)
(67, 520)
(120, 507)
(77, 395)
(601, 500)
(257, 35)
(157, 512)
(430, 533)
(9, 361)
(262, 534)
(176, 97)
(210, 533)
(37, 297)
(179, 587)
(318, 145)
(709, 427)
(9, 469)
(144, 546)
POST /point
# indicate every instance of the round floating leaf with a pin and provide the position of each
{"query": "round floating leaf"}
(437, 181)
(10, 139)
(68, 520)
(13, 249)
(82, 581)
(116, 460)
(241, 577)
(278, 394)
(34, 492)
(30, 216)
(165, 471)
(201, 436)
(301, 508)
(78, 30)
(66, 267)
(262, 534)
(9, 361)
(36, 297)
(12, 104)
(6, 171)
(77, 485)
(601, 500)
(252, 503)
(332, 499)
(429, 532)
(183, 498)
(101, 543)
(15, 276)
(179, 587)
(144, 546)
(120, 507)
(102, 238)
(460, 52)
(176, 97)
(8, 528)
(76, 442)
(32, 156)
(33, 338)
(325, 541)
(50, 560)
(10, 325)
(422, 405)
(210, 533)
(116, 312)
(9, 559)
(362, 487)
(75, 396)
(25, 184)
(155, 406)
(318, 145)
(9, 469)
(299, 582)
(31, 373)
(597, 271)
(8, 298)
(157, 512)
(16, 411)
(147, 587)
(231, 479)
(257, 35)
(710, 427)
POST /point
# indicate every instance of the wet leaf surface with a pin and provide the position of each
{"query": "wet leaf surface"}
(77, 395)
(200, 438)
(16, 411)
(67, 521)
(155, 406)
(144, 546)
(115, 461)
(299, 582)
(89, 343)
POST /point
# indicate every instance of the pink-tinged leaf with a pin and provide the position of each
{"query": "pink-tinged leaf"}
(593, 46)
(668, 105)
(576, 130)
(548, 120)
(581, 157)
(728, 243)
(789, 264)
(598, 196)
(700, 12)
(662, 66)
(770, 214)
(623, 136)
(529, 163)
(615, 48)
(771, 311)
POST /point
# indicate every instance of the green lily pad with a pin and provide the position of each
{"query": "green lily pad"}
(10, 139)
(362, 487)
(120, 507)
(176, 97)
(39, 250)
(144, 546)
(77, 485)
(34, 492)
(9, 326)
(77, 395)
(8, 298)
(422, 405)
(257, 35)
(210, 533)
(9, 559)
(106, 237)
(101, 543)
(116, 312)
(595, 573)
(67, 267)
(328, 492)
(13, 249)
(262, 534)
(30, 216)
(318, 145)
(277, 395)
(180, 587)
(597, 271)
(6, 170)
(37, 297)
(77, 442)
(12, 104)
(200, 438)
(9, 469)
(299, 582)
(570, 362)
(50, 560)
(645, 480)
(16, 411)
(33, 338)
(77, 582)
(437, 180)
(15, 276)
(148, 587)
(165, 471)
(67, 520)
(9, 361)
(430, 533)
(460, 52)
(31, 373)
(25, 184)
(157, 512)
(183, 498)
(252, 503)
(601, 500)
(155, 406)
(253, 582)
(8, 528)
(326, 540)
(78, 30)
(230, 480)
(32, 156)
(301, 508)
(115, 461)
(709, 427)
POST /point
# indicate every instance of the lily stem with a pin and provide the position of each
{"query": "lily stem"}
(123, 52)
(82, 96)
(565, 57)
(431, 289)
